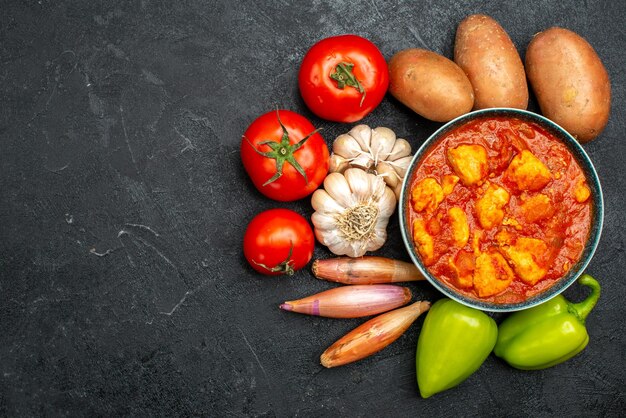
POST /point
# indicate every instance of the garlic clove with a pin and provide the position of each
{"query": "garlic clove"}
(339, 246)
(346, 146)
(320, 235)
(363, 135)
(322, 202)
(383, 140)
(377, 187)
(329, 238)
(359, 183)
(381, 223)
(363, 161)
(338, 164)
(388, 173)
(397, 190)
(401, 165)
(337, 187)
(356, 248)
(401, 148)
(333, 239)
(323, 222)
(377, 240)
(387, 203)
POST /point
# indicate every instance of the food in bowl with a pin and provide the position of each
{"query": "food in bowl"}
(499, 209)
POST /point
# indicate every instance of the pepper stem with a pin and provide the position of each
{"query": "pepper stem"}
(582, 309)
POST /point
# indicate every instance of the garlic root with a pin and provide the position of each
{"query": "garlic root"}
(352, 212)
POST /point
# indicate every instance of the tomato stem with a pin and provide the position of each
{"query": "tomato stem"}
(345, 77)
(283, 152)
(286, 267)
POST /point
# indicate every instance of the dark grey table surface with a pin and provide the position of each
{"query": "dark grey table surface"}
(123, 204)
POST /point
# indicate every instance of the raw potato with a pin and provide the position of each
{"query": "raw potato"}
(570, 82)
(430, 84)
(487, 55)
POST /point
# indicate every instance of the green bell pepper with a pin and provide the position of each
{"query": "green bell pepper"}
(547, 334)
(455, 340)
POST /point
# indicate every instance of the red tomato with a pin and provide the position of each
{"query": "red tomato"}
(284, 155)
(343, 78)
(278, 241)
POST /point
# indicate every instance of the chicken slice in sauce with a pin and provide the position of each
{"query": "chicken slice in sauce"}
(459, 226)
(524, 257)
(537, 208)
(424, 241)
(448, 182)
(582, 192)
(489, 207)
(528, 172)
(469, 162)
(463, 266)
(426, 195)
(492, 275)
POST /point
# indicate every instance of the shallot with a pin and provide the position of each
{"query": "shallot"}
(365, 270)
(372, 336)
(351, 301)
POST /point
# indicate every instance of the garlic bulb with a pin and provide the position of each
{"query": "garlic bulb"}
(377, 151)
(352, 212)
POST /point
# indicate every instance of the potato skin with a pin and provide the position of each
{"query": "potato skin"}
(430, 84)
(570, 82)
(483, 49)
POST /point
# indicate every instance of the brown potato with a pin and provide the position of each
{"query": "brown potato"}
(487, 55)
(570, 82)
(431, 85)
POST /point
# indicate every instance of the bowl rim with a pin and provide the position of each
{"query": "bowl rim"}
(597, 217)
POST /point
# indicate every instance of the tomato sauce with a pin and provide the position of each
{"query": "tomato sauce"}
(523, 209)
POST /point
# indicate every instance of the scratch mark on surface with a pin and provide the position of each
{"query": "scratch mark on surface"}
(130, 150)
(57, 170)
(159, 253)
(255, 355)
(54, 89)
(119, 236)
(151, 78)
(188, 144)
(156, 234)
(58, 81)
(417, 36)
(147, 244)
(107, 252)
(180, 302)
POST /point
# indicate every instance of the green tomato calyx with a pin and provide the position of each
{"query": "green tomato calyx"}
(282, 152)
(344, 76)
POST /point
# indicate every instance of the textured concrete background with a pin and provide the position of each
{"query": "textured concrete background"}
(123, 205)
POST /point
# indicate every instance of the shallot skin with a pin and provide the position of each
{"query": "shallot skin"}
(372, 336)
(365, 270)
(351, 301)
